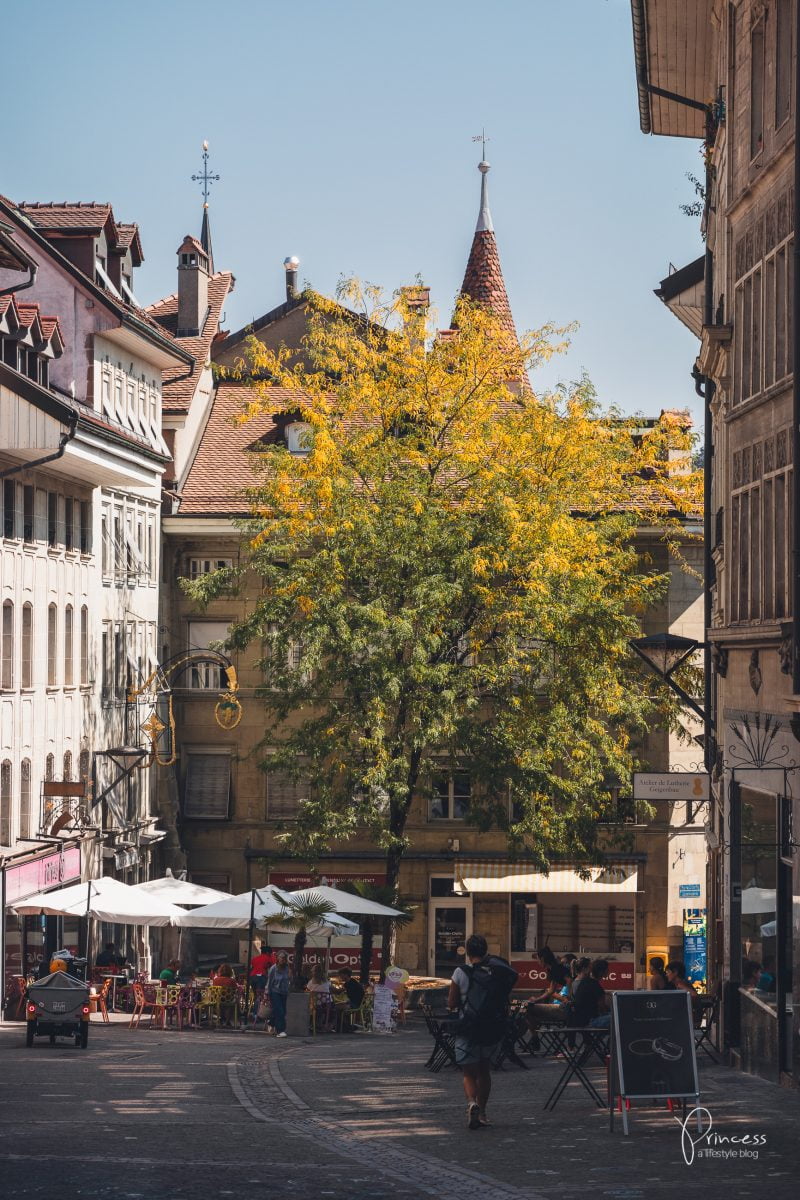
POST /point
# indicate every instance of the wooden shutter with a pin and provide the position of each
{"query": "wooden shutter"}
(208, 787)
(284, 795)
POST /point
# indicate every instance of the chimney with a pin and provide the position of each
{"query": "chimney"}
(290, 266)
(192, 287)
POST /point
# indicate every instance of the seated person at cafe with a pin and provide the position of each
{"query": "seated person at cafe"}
(109, 959)
(225, 979)
(318, 982)
(551, 1006)
(656, 977)
(320, 989)
(353, 989)
(170, 972)
(589, 1003)
(676, 975)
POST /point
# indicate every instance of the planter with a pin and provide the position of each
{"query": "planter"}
(297, 1014)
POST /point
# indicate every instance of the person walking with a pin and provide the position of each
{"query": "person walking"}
(480, 994)
(278, 989)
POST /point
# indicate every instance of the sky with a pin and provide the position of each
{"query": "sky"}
(342, 130)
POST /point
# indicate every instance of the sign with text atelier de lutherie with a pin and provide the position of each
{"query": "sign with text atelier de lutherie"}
(653, 1044)
(693, 786)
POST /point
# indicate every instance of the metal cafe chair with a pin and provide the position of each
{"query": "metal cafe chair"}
(709, 1016)
(146, 999)
(444, 1042)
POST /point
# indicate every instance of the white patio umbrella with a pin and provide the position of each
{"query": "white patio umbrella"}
(180, 891)
(104, 899)
(342, 902)
(234, 912)
(758, 900)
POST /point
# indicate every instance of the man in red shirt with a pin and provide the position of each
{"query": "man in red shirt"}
(259, 969)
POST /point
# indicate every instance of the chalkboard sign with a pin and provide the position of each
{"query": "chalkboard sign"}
(653, 1038)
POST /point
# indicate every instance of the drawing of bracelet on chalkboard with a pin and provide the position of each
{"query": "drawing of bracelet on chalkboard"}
(645, 1047)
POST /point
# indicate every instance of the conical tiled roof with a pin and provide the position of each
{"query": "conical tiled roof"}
(483, 278)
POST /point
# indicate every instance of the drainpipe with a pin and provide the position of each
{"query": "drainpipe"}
(796, 395)
(38, 462)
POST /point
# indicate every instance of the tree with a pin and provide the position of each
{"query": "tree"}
(448, 578)
(300, 916)
(370, 925)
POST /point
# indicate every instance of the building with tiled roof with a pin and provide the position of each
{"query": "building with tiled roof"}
(483, 278)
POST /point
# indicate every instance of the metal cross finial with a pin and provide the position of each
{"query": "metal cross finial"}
(483, 139)
(206, 179)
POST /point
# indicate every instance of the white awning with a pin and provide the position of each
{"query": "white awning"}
(613, 879)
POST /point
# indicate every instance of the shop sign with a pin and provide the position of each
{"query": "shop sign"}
(340, 956)
(695, 949)
(49, 871)
(672, 785)
(533, 975)
(293, 881)
(687, 890)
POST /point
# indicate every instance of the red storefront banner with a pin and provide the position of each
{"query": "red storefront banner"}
(294, 880)
(533, 975)
(49, 871)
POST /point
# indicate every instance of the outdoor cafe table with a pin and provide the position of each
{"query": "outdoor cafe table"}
(577, 1045)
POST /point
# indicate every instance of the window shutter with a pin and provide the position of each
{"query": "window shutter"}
(284, 795)
(208, 787)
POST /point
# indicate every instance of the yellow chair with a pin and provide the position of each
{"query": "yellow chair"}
(211, 1003)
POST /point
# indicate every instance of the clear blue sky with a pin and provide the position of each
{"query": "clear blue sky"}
(342, 128)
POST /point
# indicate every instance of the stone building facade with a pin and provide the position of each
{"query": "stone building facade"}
(726, 74)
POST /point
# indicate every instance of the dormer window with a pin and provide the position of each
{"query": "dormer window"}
(103, 277)
(298, 437)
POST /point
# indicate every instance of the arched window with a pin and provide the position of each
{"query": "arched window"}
(84, 646)
(7, 637)
(52, 646)
(67, 776)
(50, 768)
(26, 664)
(5, 802)
(68, 647)
(26, 822)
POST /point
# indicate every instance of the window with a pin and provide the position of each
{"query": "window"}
(50, 768)
(762, 310)
(757, 88)
(119, 663)
(84, 766)
(26, 822)
(783, 61)
(5, 802)
(84, 646)
(52, 645)
(68, 647)
(26, 663)
(9, 508)
(760, 553)
(86, 527)
(52, 519)
(7, 656)
(207, 792)
(285, 795)
(450, 798)
(27, 512)
(69, 523)
(67, 776)
(202, 635)
(105, 542)
(298, 437)
(204, 566)
(105, 689)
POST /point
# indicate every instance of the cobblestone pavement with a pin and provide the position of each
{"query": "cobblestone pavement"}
(168, 1116)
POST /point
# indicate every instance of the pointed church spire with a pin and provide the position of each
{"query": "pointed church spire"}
(483, 278)
(205, 239)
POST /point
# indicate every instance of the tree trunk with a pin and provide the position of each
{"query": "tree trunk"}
(367, 931)
(299, 949)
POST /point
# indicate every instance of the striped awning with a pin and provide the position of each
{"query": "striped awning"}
(611, 879)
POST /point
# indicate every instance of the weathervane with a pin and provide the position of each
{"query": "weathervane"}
(206, 179)
(483, 139)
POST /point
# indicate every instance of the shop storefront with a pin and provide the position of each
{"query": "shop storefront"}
(591, 912)
(26, 940)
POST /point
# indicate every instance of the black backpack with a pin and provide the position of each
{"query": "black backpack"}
(484, 1010)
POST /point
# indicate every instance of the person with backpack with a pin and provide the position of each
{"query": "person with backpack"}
(479, 993)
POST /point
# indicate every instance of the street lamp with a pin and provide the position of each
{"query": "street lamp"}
(664, 653)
